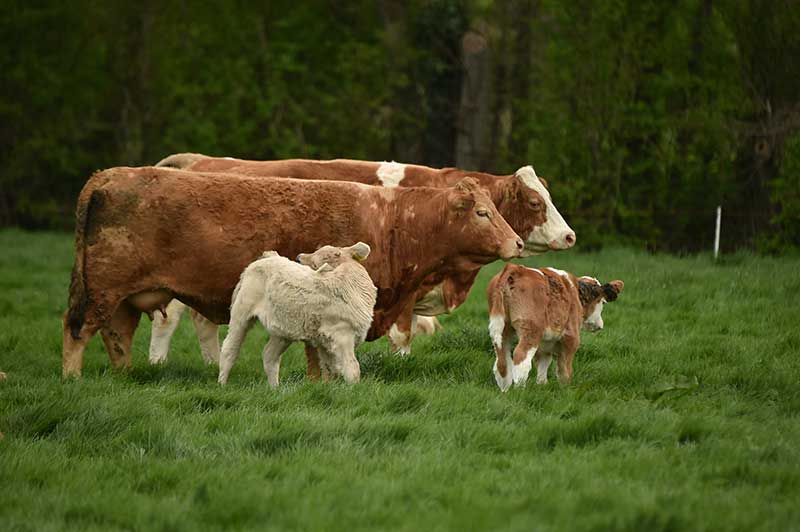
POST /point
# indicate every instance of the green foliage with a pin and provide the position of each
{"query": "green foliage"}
(630, 445)
(785, 194)
(645, 115)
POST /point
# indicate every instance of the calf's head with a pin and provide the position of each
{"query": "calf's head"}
(334, 256)
(527, 206)
(476, 229)
(593, 296)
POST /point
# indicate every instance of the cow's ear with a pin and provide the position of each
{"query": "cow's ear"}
(360, 251)
(611, 290)
(467, 184)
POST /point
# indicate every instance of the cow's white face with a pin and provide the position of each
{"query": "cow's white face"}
(554, 233)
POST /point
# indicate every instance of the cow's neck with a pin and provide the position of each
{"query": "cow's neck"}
(412, 254)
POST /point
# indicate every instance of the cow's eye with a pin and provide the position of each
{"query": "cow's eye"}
(535, 205)
(483, 212)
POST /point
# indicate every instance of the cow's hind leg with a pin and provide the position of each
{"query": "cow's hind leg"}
(118, 334)
(208, 335)
(72, 349)
(162, 329)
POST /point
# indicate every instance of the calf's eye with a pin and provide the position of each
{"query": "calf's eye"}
(483, 212)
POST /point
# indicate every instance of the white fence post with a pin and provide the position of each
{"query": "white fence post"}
(716, 233)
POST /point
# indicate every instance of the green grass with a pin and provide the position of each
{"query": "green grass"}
(426, 442)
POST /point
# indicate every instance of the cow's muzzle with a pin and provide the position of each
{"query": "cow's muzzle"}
(564, 241)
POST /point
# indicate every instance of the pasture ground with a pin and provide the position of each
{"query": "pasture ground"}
(425, 442)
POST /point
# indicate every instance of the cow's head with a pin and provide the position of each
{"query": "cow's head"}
(527, 206)
(593, 296)
(334, 256)
(479, 233)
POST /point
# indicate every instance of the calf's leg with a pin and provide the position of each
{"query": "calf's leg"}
(568, 347)
(346, 362)
(542, 365)
(500, 334)
(523, 358)
(271, 357)
(230, 347)
(162, 329)
(208, 335)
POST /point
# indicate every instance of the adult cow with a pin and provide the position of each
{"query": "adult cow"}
(522, 198)
(147, 235)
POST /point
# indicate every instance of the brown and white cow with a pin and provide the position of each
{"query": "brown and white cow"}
(147, 235)
(546, 308)
(522, 198)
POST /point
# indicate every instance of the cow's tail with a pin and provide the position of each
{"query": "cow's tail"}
(181, 161)
(88, 201)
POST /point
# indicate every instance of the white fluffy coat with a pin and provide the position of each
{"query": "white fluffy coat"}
(331, 308)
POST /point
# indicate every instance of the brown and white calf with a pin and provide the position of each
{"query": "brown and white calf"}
(546, 308)
(522, 198)
(145, 236)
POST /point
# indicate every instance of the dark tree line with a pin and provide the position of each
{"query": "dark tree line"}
(644, 114)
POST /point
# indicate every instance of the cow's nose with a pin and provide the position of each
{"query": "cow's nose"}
(520, 244)
(569, 239)
(297, 258)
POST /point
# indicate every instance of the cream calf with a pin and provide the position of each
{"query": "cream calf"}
(327, 301)
(546, 308)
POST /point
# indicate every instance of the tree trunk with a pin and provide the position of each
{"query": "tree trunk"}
(473, 116)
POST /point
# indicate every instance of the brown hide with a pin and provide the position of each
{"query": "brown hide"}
(192, 234)
(519, 205)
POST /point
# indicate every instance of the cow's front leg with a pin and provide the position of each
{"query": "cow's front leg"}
(402, 332)
(208, 335)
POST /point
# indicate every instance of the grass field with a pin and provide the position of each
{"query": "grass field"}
(425, 442)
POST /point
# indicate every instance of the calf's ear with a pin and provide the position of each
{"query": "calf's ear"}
(360, 251)
(611, 290)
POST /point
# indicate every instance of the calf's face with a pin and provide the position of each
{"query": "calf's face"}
(478, 230)
(334, 256)
(593, 296)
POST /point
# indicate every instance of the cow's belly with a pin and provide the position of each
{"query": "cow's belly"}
(432, 303)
